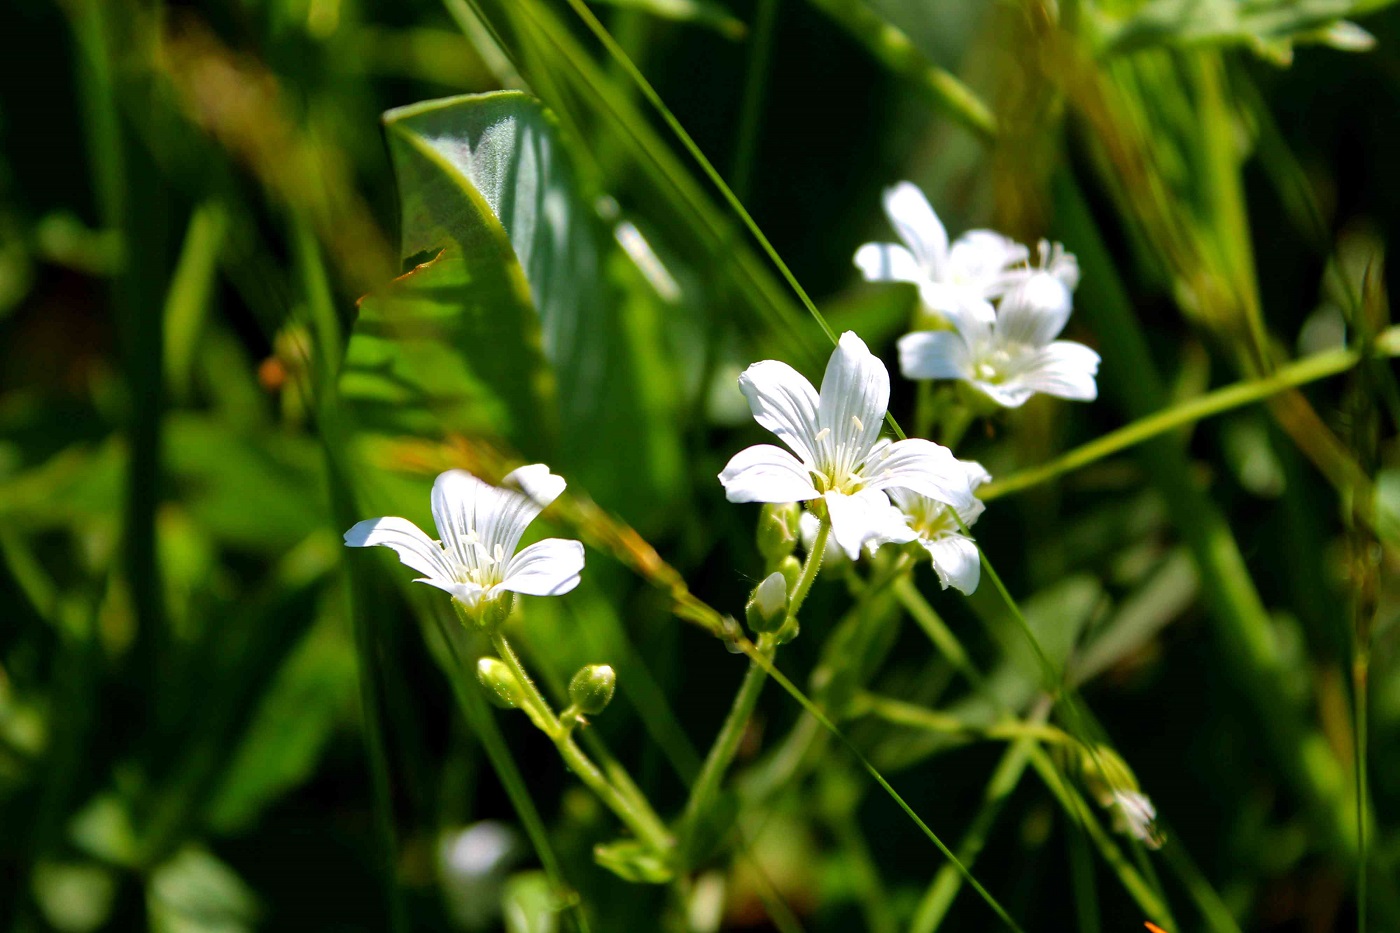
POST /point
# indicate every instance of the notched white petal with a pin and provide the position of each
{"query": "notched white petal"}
(956, 561)
(415, 549)
(865, 519)
(546, 568)
(1064, 369)
(784, 402)
(888, 262)
(917, 225)
(536, 481)
(765, 473)
(854, 398)
(927, 468)
(934, 354)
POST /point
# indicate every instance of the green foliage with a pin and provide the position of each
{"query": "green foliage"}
(215, 718)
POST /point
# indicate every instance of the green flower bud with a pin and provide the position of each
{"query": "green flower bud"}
(767, 607)
(500, 682)
(591, 690)
(1106, 774)
(777, 530)
(791, 569)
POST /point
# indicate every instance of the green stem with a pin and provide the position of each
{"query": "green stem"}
(726, 743)
(638, 816)
(1310, 369)
(911, 714)
(741, 711)
(810, 568)
(938, 899)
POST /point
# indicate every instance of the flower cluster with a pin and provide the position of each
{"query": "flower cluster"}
(837, 458)
(1007, 351)
(998, 318)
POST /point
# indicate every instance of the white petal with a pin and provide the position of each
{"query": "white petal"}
(956, 561)
(983, 259)
(888, 262)
(783, 402)
(977, 474)
(1010, 394)
(1064, 369)
(854, 398)
(925, 467)
(934, 354)
(918, 226)
(415, 549)
(765, 473)
(973, 318)
(865, 518)
(546, 568)
(1034, 311)
(480, 523)
(537, 482)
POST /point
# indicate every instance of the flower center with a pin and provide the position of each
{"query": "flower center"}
(840, 459)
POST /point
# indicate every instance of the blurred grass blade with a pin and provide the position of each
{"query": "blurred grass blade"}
(1242, 621)
(700, 12)
(191, 289)
(897, 52)
(937, 900)
(759, 658)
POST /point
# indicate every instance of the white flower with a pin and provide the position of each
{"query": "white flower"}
(954, 554)
(480, 527)
(840, 457)
(1011, 353)
(981, 264)
(1133, 813)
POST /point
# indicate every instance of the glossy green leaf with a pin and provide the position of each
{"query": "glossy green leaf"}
(515, 326)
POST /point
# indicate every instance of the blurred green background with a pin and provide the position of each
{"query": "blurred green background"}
(214, 718)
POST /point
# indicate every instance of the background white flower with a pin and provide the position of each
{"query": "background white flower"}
(980, 264)
(1134, 814)
(840, 457)
(1010, 353)
(954, 554)
(480, 526)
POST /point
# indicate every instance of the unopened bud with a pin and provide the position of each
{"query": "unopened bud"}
(767, 607)
(791, 569)
(592, 688)
(500, 682)
(777, 530)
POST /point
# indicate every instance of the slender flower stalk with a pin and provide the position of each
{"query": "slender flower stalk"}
(741, 711)
(838, 459)
(633, 812)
